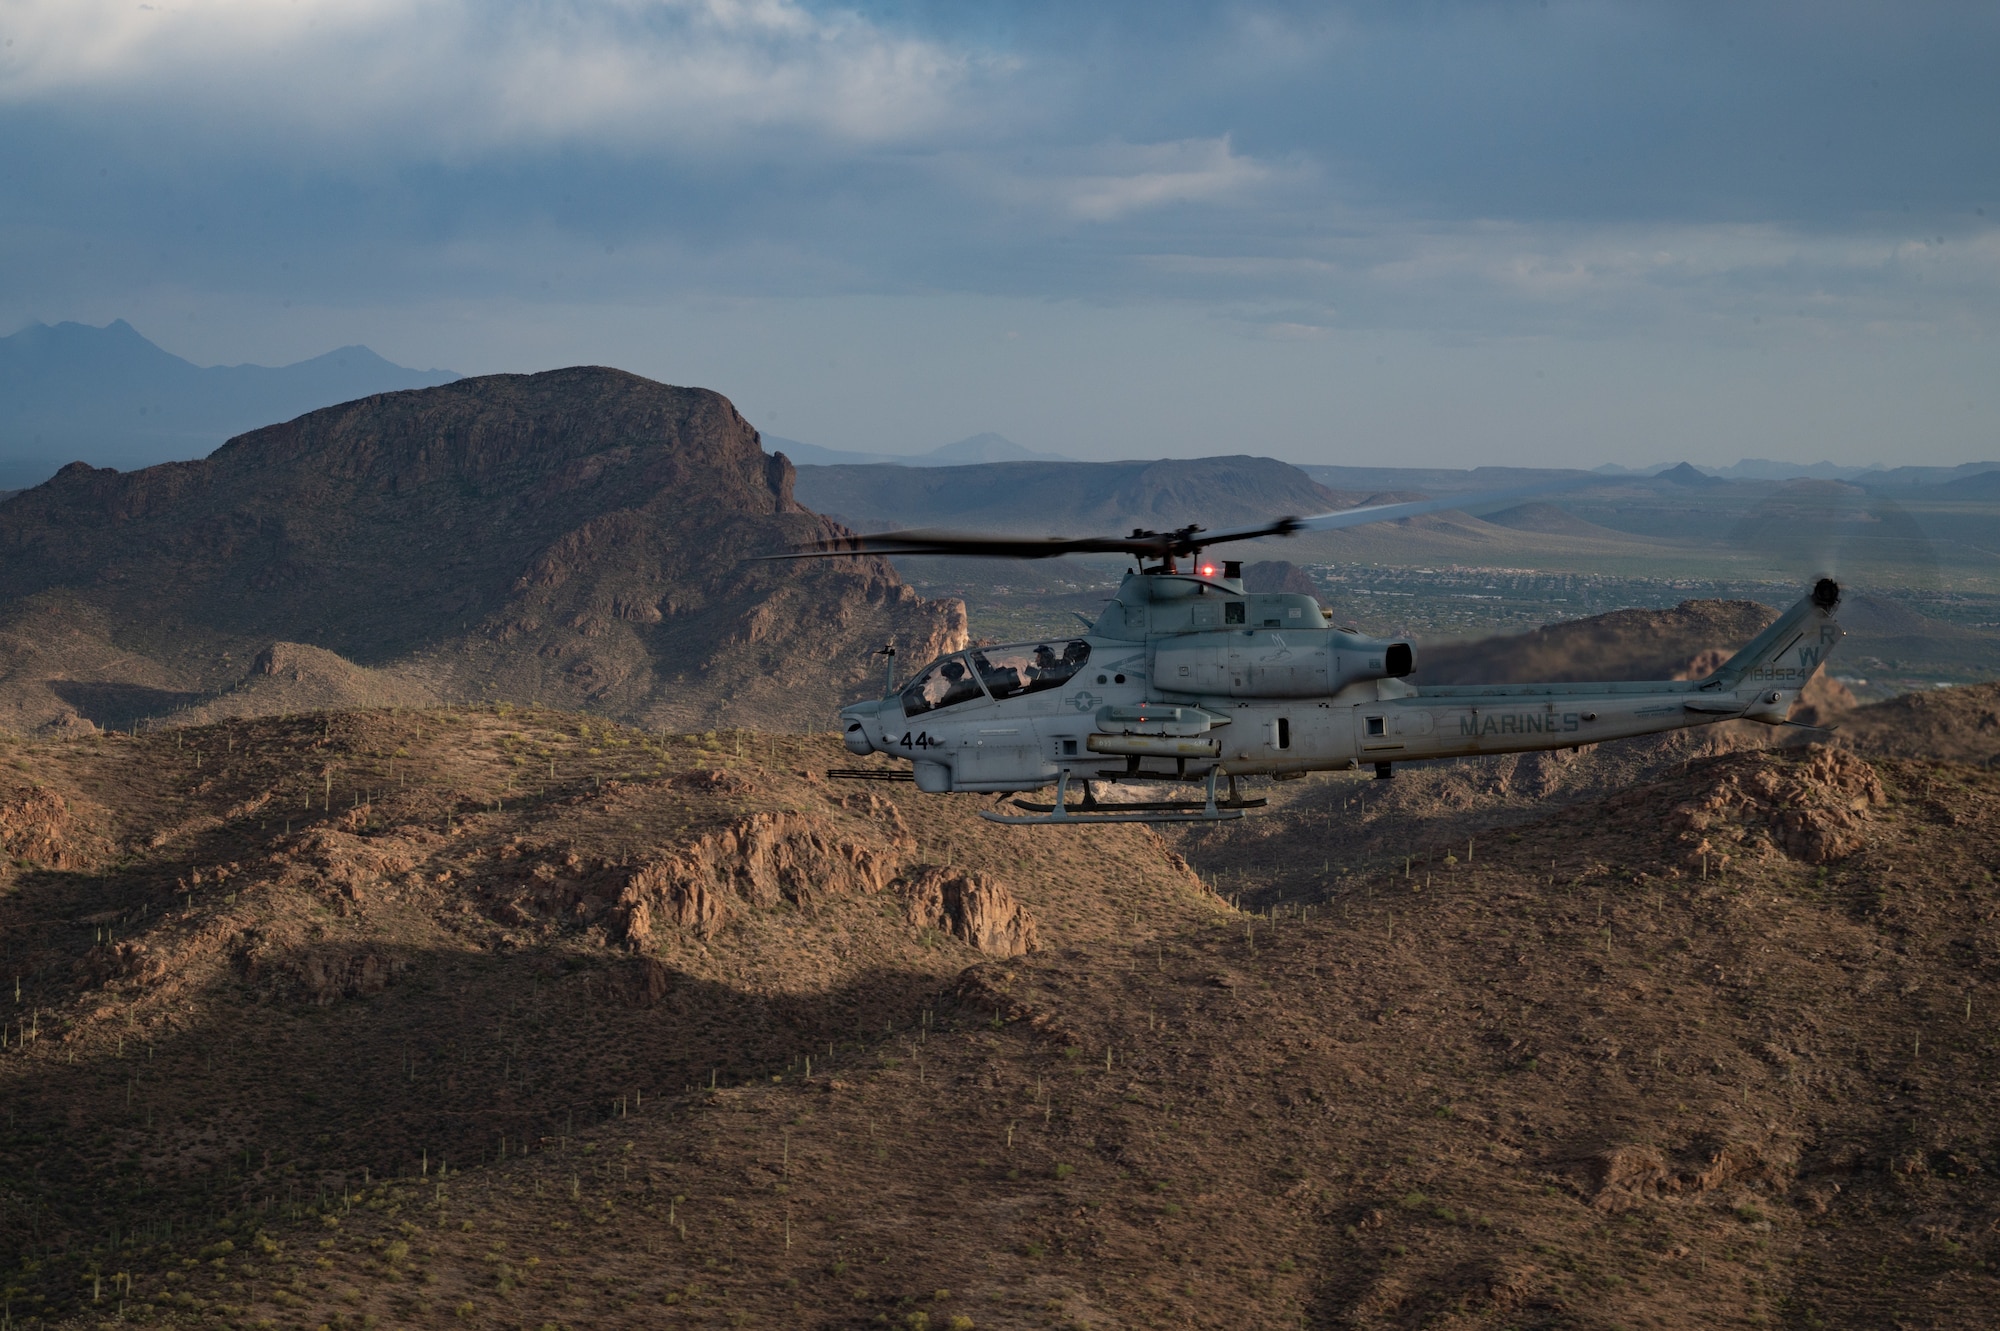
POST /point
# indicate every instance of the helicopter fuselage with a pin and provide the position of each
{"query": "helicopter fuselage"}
(1184, 674)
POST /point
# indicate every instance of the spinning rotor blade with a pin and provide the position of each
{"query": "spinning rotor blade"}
(1361, 517)
(1150, 544)
(967, 543)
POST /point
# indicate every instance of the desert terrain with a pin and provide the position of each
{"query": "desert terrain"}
(516, 1017)
(426, 902)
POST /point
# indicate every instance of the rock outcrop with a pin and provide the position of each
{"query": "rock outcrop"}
(1815, 807)
(755, 864)
(40, 827)
(322, 975)
(970, 907)
(1620, 1178)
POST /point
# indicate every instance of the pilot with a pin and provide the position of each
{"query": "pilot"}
(958, 684)
(1045, 662)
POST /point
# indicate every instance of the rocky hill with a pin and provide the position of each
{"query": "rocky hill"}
(487, 1017)
(578, 537)
(1962, 724)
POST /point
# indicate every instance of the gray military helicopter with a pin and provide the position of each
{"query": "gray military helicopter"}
(1186, 676)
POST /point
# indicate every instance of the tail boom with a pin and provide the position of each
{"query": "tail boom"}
(1760, 683)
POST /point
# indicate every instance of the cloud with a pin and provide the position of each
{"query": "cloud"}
(1608, 278)
(424, 76)
(1290, 173)
(1111, 181)
(1283, 331)
(1133, 177)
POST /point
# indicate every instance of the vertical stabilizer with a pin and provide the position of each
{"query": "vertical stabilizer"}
(1781, 659)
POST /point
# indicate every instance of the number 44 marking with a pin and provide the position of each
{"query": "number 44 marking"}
(922, 741)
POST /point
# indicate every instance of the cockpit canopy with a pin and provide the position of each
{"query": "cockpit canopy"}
(1004, 672)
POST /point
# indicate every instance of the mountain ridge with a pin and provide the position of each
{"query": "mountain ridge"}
(582, 534)
(1038, 498)
(111, 397)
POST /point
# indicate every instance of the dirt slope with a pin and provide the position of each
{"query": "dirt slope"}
(353, 942)
(1705, 1050)
(576, 538)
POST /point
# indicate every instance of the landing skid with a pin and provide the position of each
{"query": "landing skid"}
(1064, 814)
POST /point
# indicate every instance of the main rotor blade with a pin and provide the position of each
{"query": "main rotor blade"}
(1151, 544)
(968, 543)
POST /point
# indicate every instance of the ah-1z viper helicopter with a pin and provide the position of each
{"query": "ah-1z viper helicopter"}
(1188, 676)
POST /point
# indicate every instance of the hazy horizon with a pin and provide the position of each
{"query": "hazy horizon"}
(13, 455)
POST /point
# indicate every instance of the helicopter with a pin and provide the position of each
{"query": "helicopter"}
(1188, 677)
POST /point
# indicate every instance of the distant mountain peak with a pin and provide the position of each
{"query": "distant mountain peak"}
(1687, 474)
(109, 396)
(986, 447)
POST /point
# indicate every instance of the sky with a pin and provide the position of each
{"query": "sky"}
(1409, 232)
